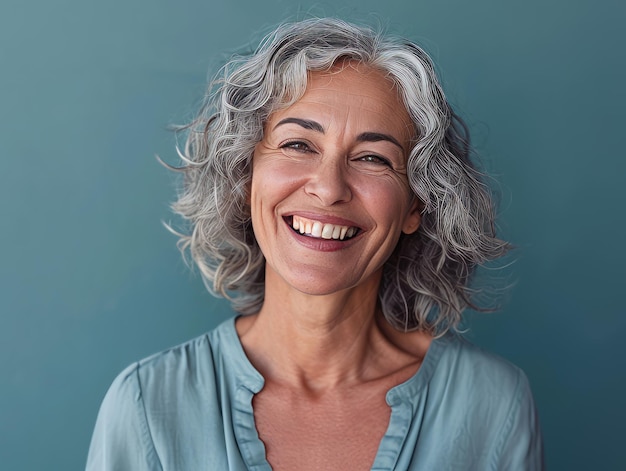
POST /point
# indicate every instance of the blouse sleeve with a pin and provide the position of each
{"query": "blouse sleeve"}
(121, 440)
(521, 447)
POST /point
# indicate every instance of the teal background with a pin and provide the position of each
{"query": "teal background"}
(90, 280)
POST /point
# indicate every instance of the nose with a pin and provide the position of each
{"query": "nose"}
(328, 182)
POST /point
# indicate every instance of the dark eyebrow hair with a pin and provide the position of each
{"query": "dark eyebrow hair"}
(305, 123)
(363, 137)
(377, 136)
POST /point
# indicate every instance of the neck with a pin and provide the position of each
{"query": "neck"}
(315, 342)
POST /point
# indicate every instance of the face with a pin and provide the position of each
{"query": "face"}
(329, 194)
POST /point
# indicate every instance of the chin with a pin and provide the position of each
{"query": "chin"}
(323, 282)
(318, 287)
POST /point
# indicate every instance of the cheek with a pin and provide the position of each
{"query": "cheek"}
(271, 184)
(388, 197)
(275, 178)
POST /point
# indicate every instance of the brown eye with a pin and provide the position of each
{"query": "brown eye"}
(375, 159)
(298, 146)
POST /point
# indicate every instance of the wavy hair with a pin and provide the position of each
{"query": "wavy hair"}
(425, 282)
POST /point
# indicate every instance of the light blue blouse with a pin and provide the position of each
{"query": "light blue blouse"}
(190, 408)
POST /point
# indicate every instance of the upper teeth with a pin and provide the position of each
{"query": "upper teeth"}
(318, 229)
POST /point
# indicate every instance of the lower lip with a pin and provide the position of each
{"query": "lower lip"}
(321, 245)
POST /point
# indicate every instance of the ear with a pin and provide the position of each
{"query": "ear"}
(413, 218)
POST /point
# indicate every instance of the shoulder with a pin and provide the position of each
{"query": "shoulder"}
(489, 405)
(478, 384)
(170, 375)
(175, 370)
(154, 374)
(474, 368)
(168, 399)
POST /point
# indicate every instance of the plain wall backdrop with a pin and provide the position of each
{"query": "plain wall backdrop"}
(91, 281)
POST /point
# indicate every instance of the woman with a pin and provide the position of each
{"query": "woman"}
(331, 197)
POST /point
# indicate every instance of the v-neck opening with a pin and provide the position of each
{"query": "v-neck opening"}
(402, 399)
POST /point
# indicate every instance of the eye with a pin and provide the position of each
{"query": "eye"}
(375, 159)
(298, 146)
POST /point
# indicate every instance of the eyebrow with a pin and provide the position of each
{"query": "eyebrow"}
(363, 137)
(377, 136)
(305, 123)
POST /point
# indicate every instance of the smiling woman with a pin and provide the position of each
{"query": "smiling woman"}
(330, 195)
(333, 162)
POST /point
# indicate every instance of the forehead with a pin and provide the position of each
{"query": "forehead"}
(352, 93)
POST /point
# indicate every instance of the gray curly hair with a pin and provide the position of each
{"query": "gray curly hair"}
(425, 282)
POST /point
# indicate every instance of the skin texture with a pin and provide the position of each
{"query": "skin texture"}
(338, 155)
(331, 174)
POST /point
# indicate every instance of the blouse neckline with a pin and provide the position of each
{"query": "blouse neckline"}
(402, 398)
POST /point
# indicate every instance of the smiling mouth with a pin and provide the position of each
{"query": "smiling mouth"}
(319, 230)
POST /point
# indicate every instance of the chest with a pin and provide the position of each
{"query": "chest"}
(338, 431)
